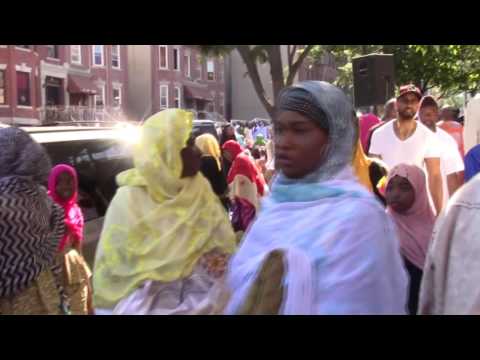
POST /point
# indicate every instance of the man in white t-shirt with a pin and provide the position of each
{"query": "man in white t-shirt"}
(471, 129)
(451, 163)
(406, 141)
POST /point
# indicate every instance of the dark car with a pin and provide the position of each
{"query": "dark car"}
(201, 127)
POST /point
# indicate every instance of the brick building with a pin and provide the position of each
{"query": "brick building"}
(174, 76)
(48, 83)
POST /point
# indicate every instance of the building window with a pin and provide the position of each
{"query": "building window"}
(163, 96)
(23, 89)
(187, 63)
(117, 97)
(52, 51)
(176, 59)
(178, 98)
(100, 97)
(210, 70)
(3, 93)
(163, 56)
(116, 56)
(75, 54)
(98, 59)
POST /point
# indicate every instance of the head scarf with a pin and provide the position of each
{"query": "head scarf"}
(472, 162)
(208, 145)
(367, 122)
(361, 167)
(31, 225)
(73, 213)
(160, 239)
(242, 164)
(416, 225)
(233, 147)
(330, 109)
(21, 156)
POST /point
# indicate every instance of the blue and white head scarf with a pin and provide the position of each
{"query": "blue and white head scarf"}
(328, 106)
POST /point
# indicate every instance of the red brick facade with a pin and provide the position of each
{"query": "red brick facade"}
(197, 92)
(50, 71)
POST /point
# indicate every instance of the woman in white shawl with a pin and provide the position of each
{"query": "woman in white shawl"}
(321, 243)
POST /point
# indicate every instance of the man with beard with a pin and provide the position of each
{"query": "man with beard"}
(451, 163)
(406, 141)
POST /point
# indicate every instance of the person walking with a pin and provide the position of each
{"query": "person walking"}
(406, 141)
(408, 205)
(166, 238)
(309, 251)
(31, 228)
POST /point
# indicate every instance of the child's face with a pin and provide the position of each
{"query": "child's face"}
(65, 186)
(400, 194)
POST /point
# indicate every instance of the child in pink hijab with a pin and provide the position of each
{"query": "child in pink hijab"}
(63, 189)
(408, 205)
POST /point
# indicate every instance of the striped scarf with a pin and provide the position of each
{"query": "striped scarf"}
(31, 227)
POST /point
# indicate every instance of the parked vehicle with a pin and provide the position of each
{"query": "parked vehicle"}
(98, 154)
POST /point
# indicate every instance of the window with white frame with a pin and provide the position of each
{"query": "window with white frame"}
(176, 59)
(163, 96)
(163, 56)
(3, 86)
(187, 63)
(75, 54)
(98, 56)
(117, 97)
(177, 101)
(210, 69)
(116, 56)
(100, 97)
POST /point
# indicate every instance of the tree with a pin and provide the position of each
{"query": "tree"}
(449, 68)
(253, 55)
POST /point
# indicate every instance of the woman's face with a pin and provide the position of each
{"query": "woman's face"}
(228, 155)
(229, 131)
(299, 144)
(65, 186)
(191, 158)
(400, 194)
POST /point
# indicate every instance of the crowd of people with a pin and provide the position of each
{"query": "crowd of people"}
(323, 213)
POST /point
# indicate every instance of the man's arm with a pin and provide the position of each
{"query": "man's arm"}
(454, 182)
(435, 182)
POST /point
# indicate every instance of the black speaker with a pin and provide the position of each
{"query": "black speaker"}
(373, 79)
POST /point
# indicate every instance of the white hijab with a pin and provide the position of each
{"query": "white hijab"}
(342, 252)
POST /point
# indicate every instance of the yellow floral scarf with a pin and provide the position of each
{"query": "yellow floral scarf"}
(158, 226)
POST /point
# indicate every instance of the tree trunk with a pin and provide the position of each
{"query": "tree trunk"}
(292, 71)
(276, 69)
(251, 64)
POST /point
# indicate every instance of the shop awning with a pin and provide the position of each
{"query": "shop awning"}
(197, 93)
(81, 85)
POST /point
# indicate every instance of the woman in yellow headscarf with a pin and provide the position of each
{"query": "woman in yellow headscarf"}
(166, 237)
(211, 166)
(371, 173)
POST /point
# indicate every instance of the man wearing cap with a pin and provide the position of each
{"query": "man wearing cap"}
(451, 163)
(406, 141)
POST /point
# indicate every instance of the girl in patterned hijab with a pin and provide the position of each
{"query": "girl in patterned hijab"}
(31, 227)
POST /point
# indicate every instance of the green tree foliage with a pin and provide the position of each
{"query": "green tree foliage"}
(449, 68)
